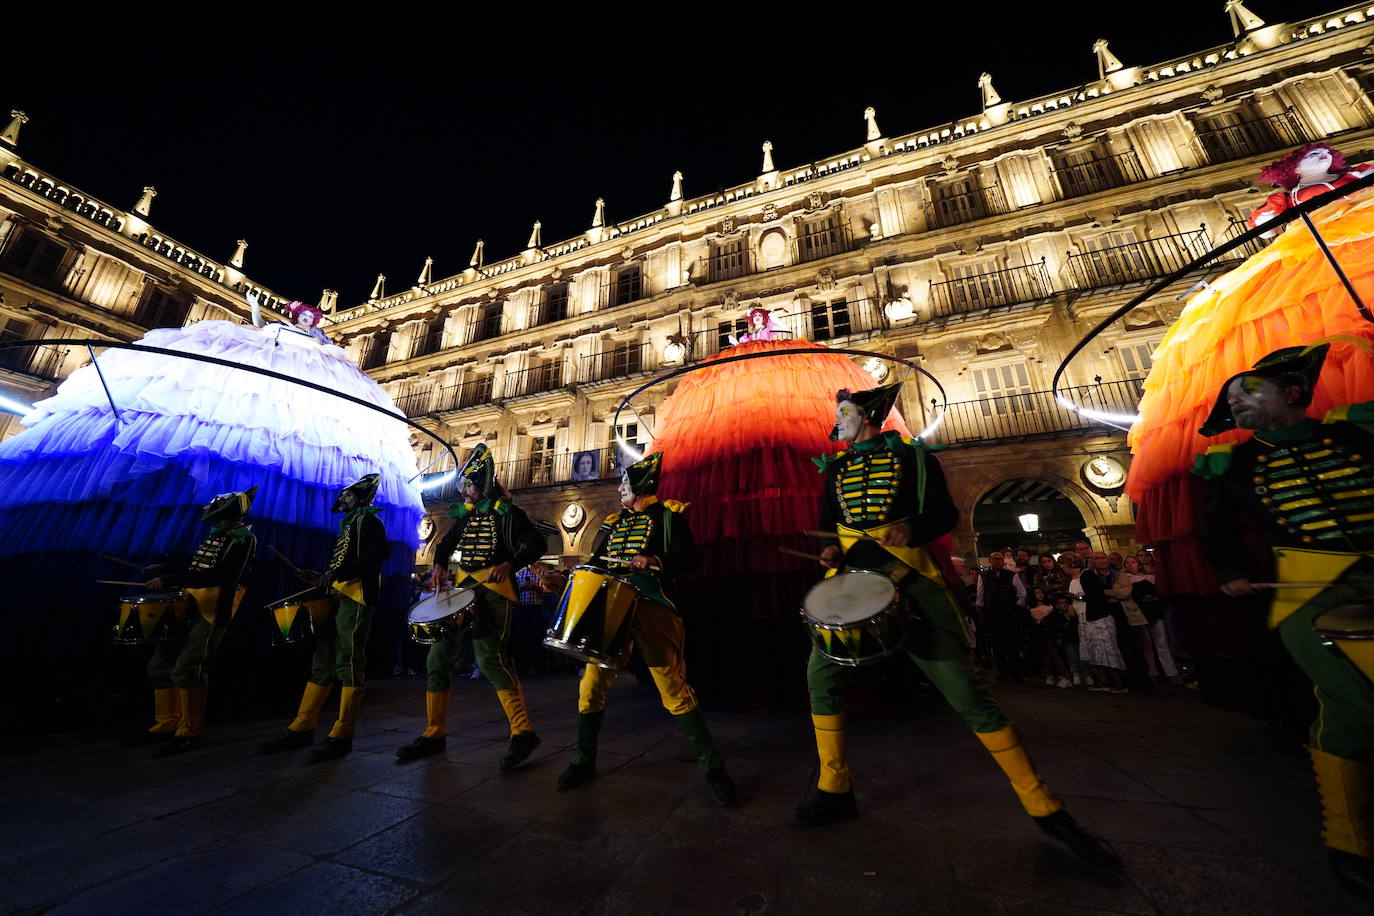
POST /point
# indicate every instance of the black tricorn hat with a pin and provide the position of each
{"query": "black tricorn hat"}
(364, 489)
(643, 474)
(1301, 365)
(480, 469)
(227, 507)
(875, 403)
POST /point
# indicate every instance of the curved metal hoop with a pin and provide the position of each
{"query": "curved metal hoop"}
(1300, 211)
(683, 370)
(199, 357)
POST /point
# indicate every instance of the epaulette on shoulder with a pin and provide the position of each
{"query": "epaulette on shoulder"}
(824, 462)
(1214, 462)
(611, 520)
(675, 505)
(1362, 412)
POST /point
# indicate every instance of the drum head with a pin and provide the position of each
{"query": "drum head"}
(1355, 620)
(848, 598)
(441, 605)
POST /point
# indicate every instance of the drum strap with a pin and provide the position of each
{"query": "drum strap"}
(207, 601)
(505, 588)
(910, 559)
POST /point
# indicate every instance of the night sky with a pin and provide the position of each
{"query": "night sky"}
(360, 147)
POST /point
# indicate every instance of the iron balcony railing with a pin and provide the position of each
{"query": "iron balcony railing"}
(816, 241)
(471, 393)
(418, 401)
(951, 209)
(729, 264)
(427, 343)
(40, 362)
(1225, 142)
(1238, 227)
(1099, 174)
(1035, 413)
(1134, 261)
(1009, 286)
(616, 362)
(842, 318)
(484, 327)
(534, 380)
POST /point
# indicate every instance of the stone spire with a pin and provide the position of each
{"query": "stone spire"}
(378, 288)
(1242, 20)
(426, 273)
(145, 202)
(236, 259)
(599, 217)
(677, 187)
(768, 157)
(10, 134)
(479, 257)
(871, 116)
(1107, 62)
(536, 236)
(990, 96)
(329, 300)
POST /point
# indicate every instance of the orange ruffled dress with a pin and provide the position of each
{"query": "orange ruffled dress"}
(738, 439)
(1286, 295)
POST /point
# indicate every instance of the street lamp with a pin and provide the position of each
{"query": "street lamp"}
(1030, 522)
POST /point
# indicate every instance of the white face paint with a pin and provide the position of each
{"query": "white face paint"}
(849, 421)
(1315, 164)
(305, 319)
(627, 496)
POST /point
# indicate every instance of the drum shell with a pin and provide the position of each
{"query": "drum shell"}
(429, 632)
(294, 620)
(1349, 631)
(862, 641)
(595, 618)
(151, 618)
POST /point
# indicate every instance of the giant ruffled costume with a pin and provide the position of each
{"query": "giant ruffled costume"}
(738, 442)
(1286, 295)
(78, 482)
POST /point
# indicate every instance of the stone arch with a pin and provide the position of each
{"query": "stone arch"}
(968, 486)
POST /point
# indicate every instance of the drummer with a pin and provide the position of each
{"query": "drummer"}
(887, 498)
(656, 542)
(1309, 483)
(180, 667)
(355, 575)
(491, 537)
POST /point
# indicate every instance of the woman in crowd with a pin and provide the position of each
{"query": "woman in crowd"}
(1153, 641)
(1100, 586)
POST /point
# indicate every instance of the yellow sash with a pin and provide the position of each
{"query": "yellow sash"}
(909, 559)
(353, 589)
(504, 588)
(207, 601)
(1296, 565)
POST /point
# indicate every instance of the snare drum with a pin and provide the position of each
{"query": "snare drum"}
(443, 614)
(152, 617)
(296, 618)
(856, 617)
(1349, 630)
(595, 616)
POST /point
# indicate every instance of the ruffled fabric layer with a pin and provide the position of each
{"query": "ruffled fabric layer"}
(1286, 295)
(78, 482)
(738, 439)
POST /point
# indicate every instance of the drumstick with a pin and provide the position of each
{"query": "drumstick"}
(118, 582)
(799, 553)
(837, 535)
(613, 560)
(296, 594)
(284, 558)
(106, 556)
(1291, 584)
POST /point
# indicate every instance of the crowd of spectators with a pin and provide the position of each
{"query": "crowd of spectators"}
(1081, 618)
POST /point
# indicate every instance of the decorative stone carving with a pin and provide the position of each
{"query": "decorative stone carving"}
(1214, 94)
(815, 200)
(991, 343)
(825, 279)
(1072, 130)
(770, 212)
(474, 429)
(1147, 316)
(950, 165)
(728, 225)
(1025, 338)
(730, 299)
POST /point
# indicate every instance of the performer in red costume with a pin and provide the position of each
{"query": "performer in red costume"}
(1303, 174)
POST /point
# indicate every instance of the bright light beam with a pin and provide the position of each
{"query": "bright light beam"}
(1113, 419)
(14, 406)
(439, 481)
(934, 425)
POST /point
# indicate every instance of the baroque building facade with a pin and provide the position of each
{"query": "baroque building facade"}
(982, 249)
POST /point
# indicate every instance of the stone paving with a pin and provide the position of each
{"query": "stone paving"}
(1209, 812)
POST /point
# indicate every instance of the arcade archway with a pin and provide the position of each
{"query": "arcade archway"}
(997, 518)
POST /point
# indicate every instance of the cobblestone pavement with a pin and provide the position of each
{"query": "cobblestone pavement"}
(1209, 812)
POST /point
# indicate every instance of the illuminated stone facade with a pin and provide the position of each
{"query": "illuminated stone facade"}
(982, 249)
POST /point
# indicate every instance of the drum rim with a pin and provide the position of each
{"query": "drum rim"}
(149, 597)
(853, 624)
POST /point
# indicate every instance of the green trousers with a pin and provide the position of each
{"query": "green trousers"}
(937, 642)
(185, 660)
(1345, 720)
(341, 650)
(490, 637)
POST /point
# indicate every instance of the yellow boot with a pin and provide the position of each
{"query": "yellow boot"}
(1345, 786)
(312, 701)
(830, 746)
(166, 711)
(513, 702)
(436, 713)
(192, 702)
(1006, 748)
(350, 699)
